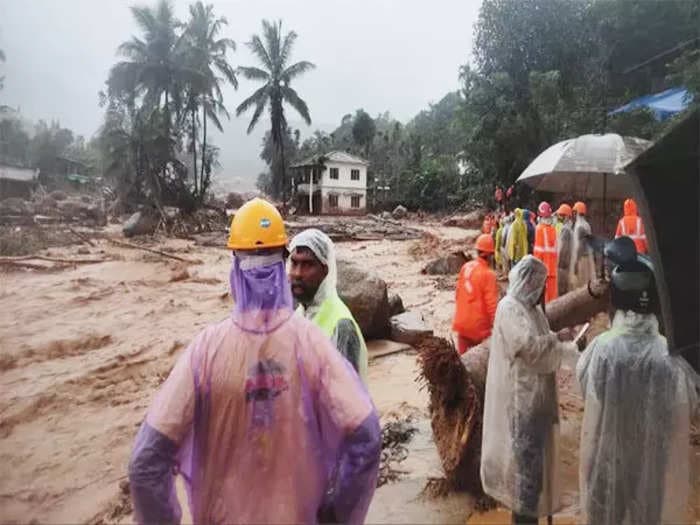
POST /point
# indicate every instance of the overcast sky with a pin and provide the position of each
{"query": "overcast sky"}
(374, 54)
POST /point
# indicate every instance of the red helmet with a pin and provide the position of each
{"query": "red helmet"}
(484, 243)
(544, 209)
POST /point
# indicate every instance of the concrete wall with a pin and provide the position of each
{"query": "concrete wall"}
(344, 201)
(344, 181)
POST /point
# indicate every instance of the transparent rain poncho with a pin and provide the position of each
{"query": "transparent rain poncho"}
(261, 416)
(519, 456)
(635, 451)
(582, 269)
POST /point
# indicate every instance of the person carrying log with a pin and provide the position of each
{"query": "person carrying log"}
(263, 418)
(639, 402)
(476, 297)
(313, 272)
(521, 412)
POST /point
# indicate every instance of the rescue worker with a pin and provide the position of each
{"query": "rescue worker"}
(639, 402)
(313, 272)
(521, 415)
(516, 243)
(500, 198)
(506, 263)
(498, 254)
(631, 226)
(263, 418)
(582, 269)
(545, 249)
(529, 220)
(564, 247)
(476, 297)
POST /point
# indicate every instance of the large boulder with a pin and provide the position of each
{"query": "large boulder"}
(140, 223)
(449, 265)
(470, 221)
(396, 305)
(399, 212)
(58, 195)
(409, 328)
(234, 201)
(366, 296)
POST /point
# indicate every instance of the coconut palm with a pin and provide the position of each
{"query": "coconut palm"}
(206, 55)
(274, 50)
(153, 69)
(2, 59)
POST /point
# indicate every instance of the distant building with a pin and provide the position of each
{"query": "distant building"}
(17, 182)
(330, 184)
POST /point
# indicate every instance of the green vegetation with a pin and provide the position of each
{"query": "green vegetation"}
(543, 71)
(274, 51)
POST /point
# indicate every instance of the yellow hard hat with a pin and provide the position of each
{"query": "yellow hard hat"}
(257, 225)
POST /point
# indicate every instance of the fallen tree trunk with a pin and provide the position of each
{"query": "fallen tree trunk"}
(456, 386)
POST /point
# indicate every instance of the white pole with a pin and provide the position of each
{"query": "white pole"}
(311, 192)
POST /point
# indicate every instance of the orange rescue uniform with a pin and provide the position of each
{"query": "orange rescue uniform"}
(476, 300)
(631, 225)
(545, 249)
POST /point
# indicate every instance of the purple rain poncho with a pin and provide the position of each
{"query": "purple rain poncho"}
(263, 418)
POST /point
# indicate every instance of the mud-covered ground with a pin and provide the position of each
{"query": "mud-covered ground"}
(83, 349)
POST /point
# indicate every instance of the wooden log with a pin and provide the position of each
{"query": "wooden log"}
(50, 259)
(578, 307)
(124, 244)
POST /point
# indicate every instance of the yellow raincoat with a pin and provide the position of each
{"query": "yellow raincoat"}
(517, 238)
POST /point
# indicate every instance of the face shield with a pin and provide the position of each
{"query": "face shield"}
(260, 290)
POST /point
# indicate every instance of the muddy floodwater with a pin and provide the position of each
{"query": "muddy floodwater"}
(83, 350)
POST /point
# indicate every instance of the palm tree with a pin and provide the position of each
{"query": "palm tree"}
(206, 55)
(2, 59)
(152, 82)
(153, 69)
(273, 51)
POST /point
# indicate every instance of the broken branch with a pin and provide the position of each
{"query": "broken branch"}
(151, 250)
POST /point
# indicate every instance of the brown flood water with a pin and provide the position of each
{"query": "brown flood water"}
(83, 350)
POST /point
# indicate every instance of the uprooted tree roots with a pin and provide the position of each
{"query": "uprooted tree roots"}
(456, 410)
(395, 434)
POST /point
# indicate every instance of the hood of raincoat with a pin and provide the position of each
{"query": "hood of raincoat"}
(322, 247)
(527, 280)
(640, 399)
(630, 208)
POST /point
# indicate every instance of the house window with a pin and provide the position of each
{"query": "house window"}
(333, 201)
(334, 173)
(355, 200)
(355, 175)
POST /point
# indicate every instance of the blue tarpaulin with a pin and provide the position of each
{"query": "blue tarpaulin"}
(663, 105)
